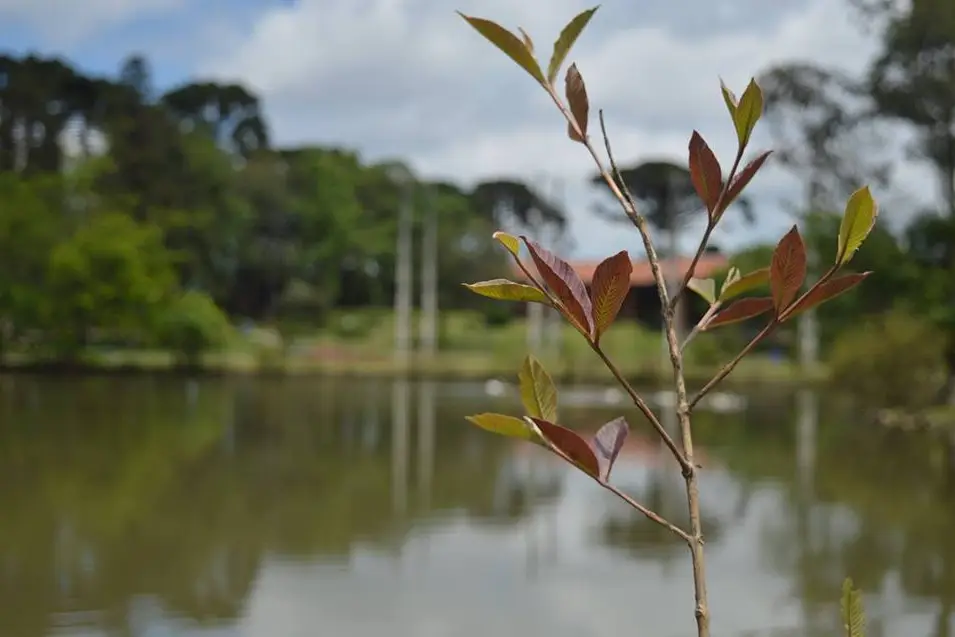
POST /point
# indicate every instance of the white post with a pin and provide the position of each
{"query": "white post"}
(428, 328)
(403, 281)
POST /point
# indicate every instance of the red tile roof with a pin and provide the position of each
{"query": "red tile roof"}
(642, 275)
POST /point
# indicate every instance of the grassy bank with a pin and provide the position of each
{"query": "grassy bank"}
(361, 343)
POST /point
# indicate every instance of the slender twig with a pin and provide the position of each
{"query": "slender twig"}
(730, 366)
(649, 513)
(701, 324)
(676, 358)
(642, 406)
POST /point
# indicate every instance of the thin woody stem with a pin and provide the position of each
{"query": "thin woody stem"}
(701, 612)
(730, 366)
(701, 324)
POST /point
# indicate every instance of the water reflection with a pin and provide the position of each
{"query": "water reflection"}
(303, 507)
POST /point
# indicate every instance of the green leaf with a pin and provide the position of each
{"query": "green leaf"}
(509, 241)
(509, 43)
(565, 41)
(850, 606)
(538, 392)
(741, 284)
(748, 112)
(729, 99)
(503, 425)
(505, 290)
(857, 221)
(706, 288)
(528, 42)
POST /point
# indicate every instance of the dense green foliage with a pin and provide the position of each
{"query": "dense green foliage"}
(132, 212)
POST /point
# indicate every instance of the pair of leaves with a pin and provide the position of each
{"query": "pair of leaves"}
(734, 285)
(591, 312)
(786, 275)
(595, 456)
(707, 177)
(539, 397)
(521, 49)
(746, 111)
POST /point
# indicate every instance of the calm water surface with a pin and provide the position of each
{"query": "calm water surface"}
(291, 508)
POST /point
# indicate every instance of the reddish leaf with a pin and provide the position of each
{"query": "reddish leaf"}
(826, 291)
(571, 445)
(608, 289)
(787, 271)
(607, 443)
(742, 179)
(576, 92)
(705, 172)
(564, 283)
(741, 310)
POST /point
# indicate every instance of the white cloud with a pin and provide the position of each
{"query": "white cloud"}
(408, 78)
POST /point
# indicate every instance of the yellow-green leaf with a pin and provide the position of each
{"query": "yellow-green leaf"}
(748, 111)
(509, 43)
(504, 290)
(857, 221)
(729, 99)
(538, 392)
(706, 288)
(528, 42)
(740, 284)
(503, 425)
(565, 41)
(509, 241)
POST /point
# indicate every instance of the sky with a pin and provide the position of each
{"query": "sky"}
(410, 79)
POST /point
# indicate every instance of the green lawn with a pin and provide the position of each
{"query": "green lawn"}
(362, 343)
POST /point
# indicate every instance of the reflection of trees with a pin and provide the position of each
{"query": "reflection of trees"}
(876, 507)
(633, 533)
(116, 489)
(665, 494)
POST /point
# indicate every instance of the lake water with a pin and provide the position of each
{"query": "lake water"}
(308, 507)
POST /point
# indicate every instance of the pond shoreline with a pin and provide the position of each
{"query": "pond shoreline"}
(420, 369)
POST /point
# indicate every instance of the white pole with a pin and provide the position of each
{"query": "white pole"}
(403, 281)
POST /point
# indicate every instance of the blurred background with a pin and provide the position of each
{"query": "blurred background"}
(236, 354)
